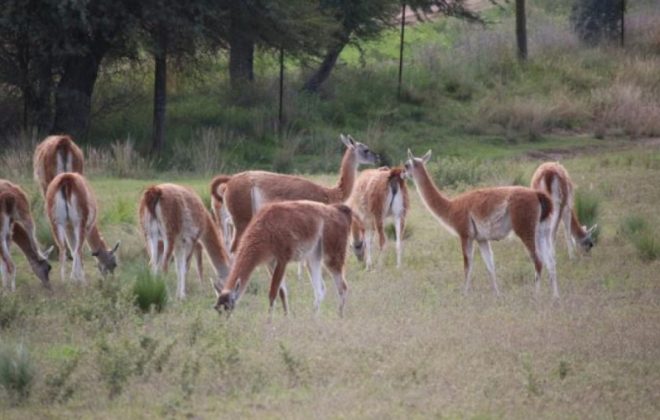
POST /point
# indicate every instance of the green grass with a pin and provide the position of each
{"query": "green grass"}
(410, 344)
(464, 94)
(150, 291)
(16, 373)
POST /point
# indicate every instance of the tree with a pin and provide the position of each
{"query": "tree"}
(89, 31)
(597, 20)
(521, 29)
(295, 26)
(361, 20)
(170, 29)
(27, 57)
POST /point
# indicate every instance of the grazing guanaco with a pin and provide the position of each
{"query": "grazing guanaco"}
(72, 211)
(552, 178)
(55, 155)
(278, 187)
(378, 194)
(175, 216)
(17, 225)
(488, 214)
(291, 231)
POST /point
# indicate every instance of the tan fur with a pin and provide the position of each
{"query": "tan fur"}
(175, 215)
(286, 231)
(46, 155)
(373, 200)
(489, 214)
(552, 178)
(219, 208)
(279, 187)
(22, 232)
(76, 223)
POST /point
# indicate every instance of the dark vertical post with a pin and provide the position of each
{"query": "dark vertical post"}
(281, 108)
(403, 28)
(623, 21)
(521, 29)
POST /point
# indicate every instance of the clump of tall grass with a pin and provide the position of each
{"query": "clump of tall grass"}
(626, 107)
(16, 373)
(452, 172)
(587, 210)
(639, 233)
(121, 160)
(150, 291)
(213, 150)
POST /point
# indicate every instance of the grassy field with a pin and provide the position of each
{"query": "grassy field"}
(410, 344)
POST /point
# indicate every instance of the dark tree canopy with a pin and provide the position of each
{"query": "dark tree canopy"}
(597, 20)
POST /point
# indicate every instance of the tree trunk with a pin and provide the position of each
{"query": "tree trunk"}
(73, 96)
(160, 95)
(315, 81)
(241, 49)
(521, 29)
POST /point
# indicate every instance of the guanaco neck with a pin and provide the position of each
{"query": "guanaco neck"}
(242, 269)
(342, 190)
(432, 197)
(95, 240)
(576, 228)
(22, 238)
(214, 248)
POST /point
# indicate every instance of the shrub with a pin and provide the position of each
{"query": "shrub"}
(587, 205)
(16, 373)
(150, 291)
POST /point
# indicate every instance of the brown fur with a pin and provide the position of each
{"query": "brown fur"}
(181, 214)
(373, 188)
(278, 234)
(483, 214)
(279, 187)
(68, 185)
(544, 177)
(46, 156)
(23, 231)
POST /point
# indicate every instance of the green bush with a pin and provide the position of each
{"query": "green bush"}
(150, 291)
(16, 373)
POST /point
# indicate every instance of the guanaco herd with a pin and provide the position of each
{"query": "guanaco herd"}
(268, 218)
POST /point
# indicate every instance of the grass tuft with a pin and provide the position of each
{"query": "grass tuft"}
(16, 373)
(150, 291)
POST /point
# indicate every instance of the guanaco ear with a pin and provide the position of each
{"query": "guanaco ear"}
(410, 155)
(347, 140)
(116, 247)
(592, 229)
(426, 157)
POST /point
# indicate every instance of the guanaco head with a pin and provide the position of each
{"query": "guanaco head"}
(41, 268)
(587, 241)
(413, 165)
(363, 153)
(106, 260)
(225, 298)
